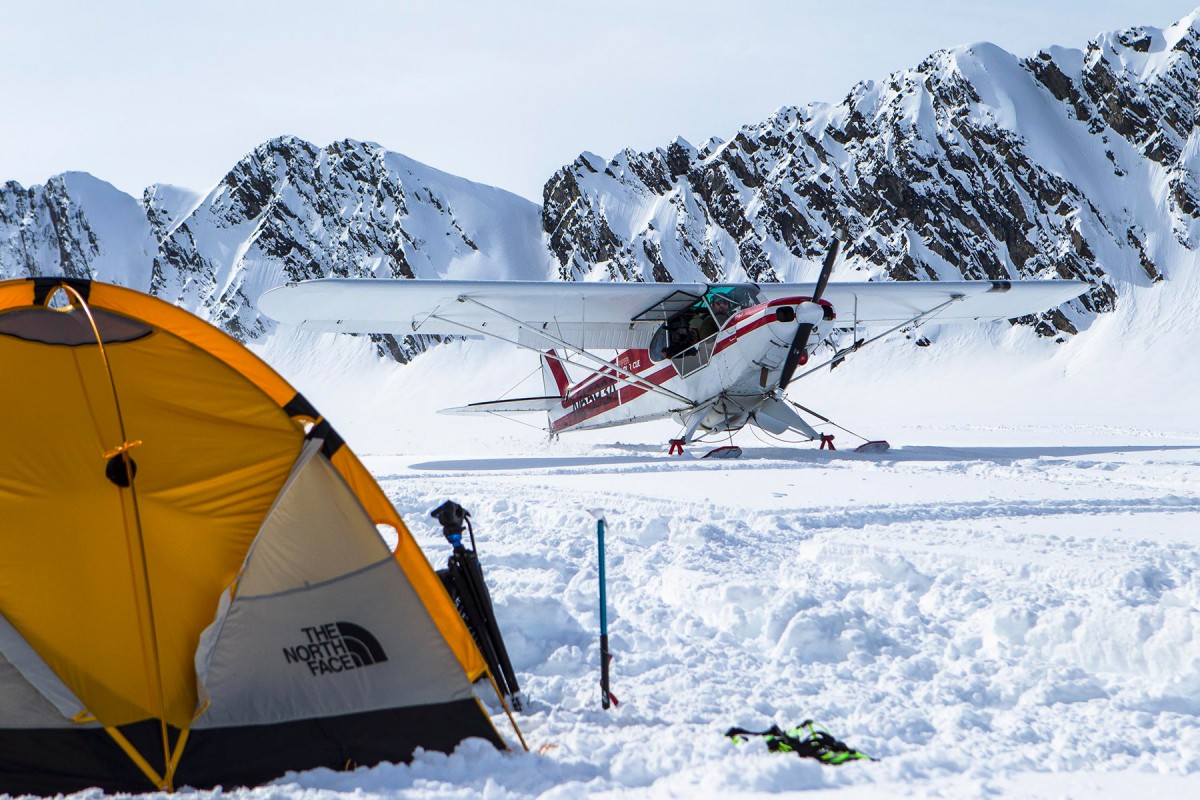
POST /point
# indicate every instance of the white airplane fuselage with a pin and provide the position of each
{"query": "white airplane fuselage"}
(728, 375)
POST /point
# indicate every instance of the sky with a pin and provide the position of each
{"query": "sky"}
(503, 93)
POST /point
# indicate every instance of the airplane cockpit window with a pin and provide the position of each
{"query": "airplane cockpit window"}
(737, 297)
(682, 334)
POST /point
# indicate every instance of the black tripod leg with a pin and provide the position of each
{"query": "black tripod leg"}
(493, 629)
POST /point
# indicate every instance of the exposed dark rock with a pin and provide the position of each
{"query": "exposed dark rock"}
(1147, 264)
(925, 171)
(287, 211)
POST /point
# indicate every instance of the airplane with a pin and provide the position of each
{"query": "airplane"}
(715, 357)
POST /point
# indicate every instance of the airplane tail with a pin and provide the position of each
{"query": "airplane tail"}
(554, 375)
(554, 380)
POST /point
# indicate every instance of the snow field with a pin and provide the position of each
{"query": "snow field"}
(951, 638)
(1006, 603)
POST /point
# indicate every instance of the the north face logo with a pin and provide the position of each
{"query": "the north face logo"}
(335, 647)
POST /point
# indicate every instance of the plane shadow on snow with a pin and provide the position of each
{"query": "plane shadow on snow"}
(536, 462)
(1000, 455)
(1007, 455)
(630, 455)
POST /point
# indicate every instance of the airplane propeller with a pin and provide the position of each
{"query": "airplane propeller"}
(798, 352)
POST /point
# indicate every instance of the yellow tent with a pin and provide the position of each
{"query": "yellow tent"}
(193, 589)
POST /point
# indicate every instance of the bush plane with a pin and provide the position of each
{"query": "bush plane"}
(715, 357)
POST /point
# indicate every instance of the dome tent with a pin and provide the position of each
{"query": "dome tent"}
(193, 590)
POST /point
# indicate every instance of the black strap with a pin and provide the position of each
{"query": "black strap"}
(43, 286)
(323, 430)
(299, 406)
(774, 730)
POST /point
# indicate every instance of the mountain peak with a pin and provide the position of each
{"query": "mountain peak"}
(288, 210)
(973, 163)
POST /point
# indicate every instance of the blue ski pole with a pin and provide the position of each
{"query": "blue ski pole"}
(606, 697)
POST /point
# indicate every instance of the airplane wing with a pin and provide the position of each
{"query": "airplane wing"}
(585, 315)
(615, 315)
(899, 301)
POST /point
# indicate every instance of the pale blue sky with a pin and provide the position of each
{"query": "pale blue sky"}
(502, 93)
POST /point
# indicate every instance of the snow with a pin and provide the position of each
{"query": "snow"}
(1007, 603)
(177, 202)
(505, 228)
(118, 222)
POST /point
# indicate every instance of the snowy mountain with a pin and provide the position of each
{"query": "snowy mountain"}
(287, 211)
(74, 225)
(975, 163)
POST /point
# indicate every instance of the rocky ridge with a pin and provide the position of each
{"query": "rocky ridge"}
(973, 164)
(287, 211)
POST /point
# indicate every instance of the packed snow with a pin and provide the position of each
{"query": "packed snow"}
(1005, 603)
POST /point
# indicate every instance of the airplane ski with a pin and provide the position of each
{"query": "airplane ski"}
(779, 418)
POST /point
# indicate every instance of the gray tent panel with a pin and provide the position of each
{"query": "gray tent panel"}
(21, 705)
(321, 625)
(31, 695)
(337, 648)
(316, 531)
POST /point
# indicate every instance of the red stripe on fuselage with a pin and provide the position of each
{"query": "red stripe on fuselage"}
(763, 319)
(766, 317)
(605, 391)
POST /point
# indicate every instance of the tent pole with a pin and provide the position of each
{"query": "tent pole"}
(138, 759)
(154, 673)
(500, 697)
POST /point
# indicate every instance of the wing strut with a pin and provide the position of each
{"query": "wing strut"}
(624, 374)
(922, 317)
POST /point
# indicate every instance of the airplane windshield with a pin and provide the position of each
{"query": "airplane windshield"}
(701, 321)
(738, 296)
